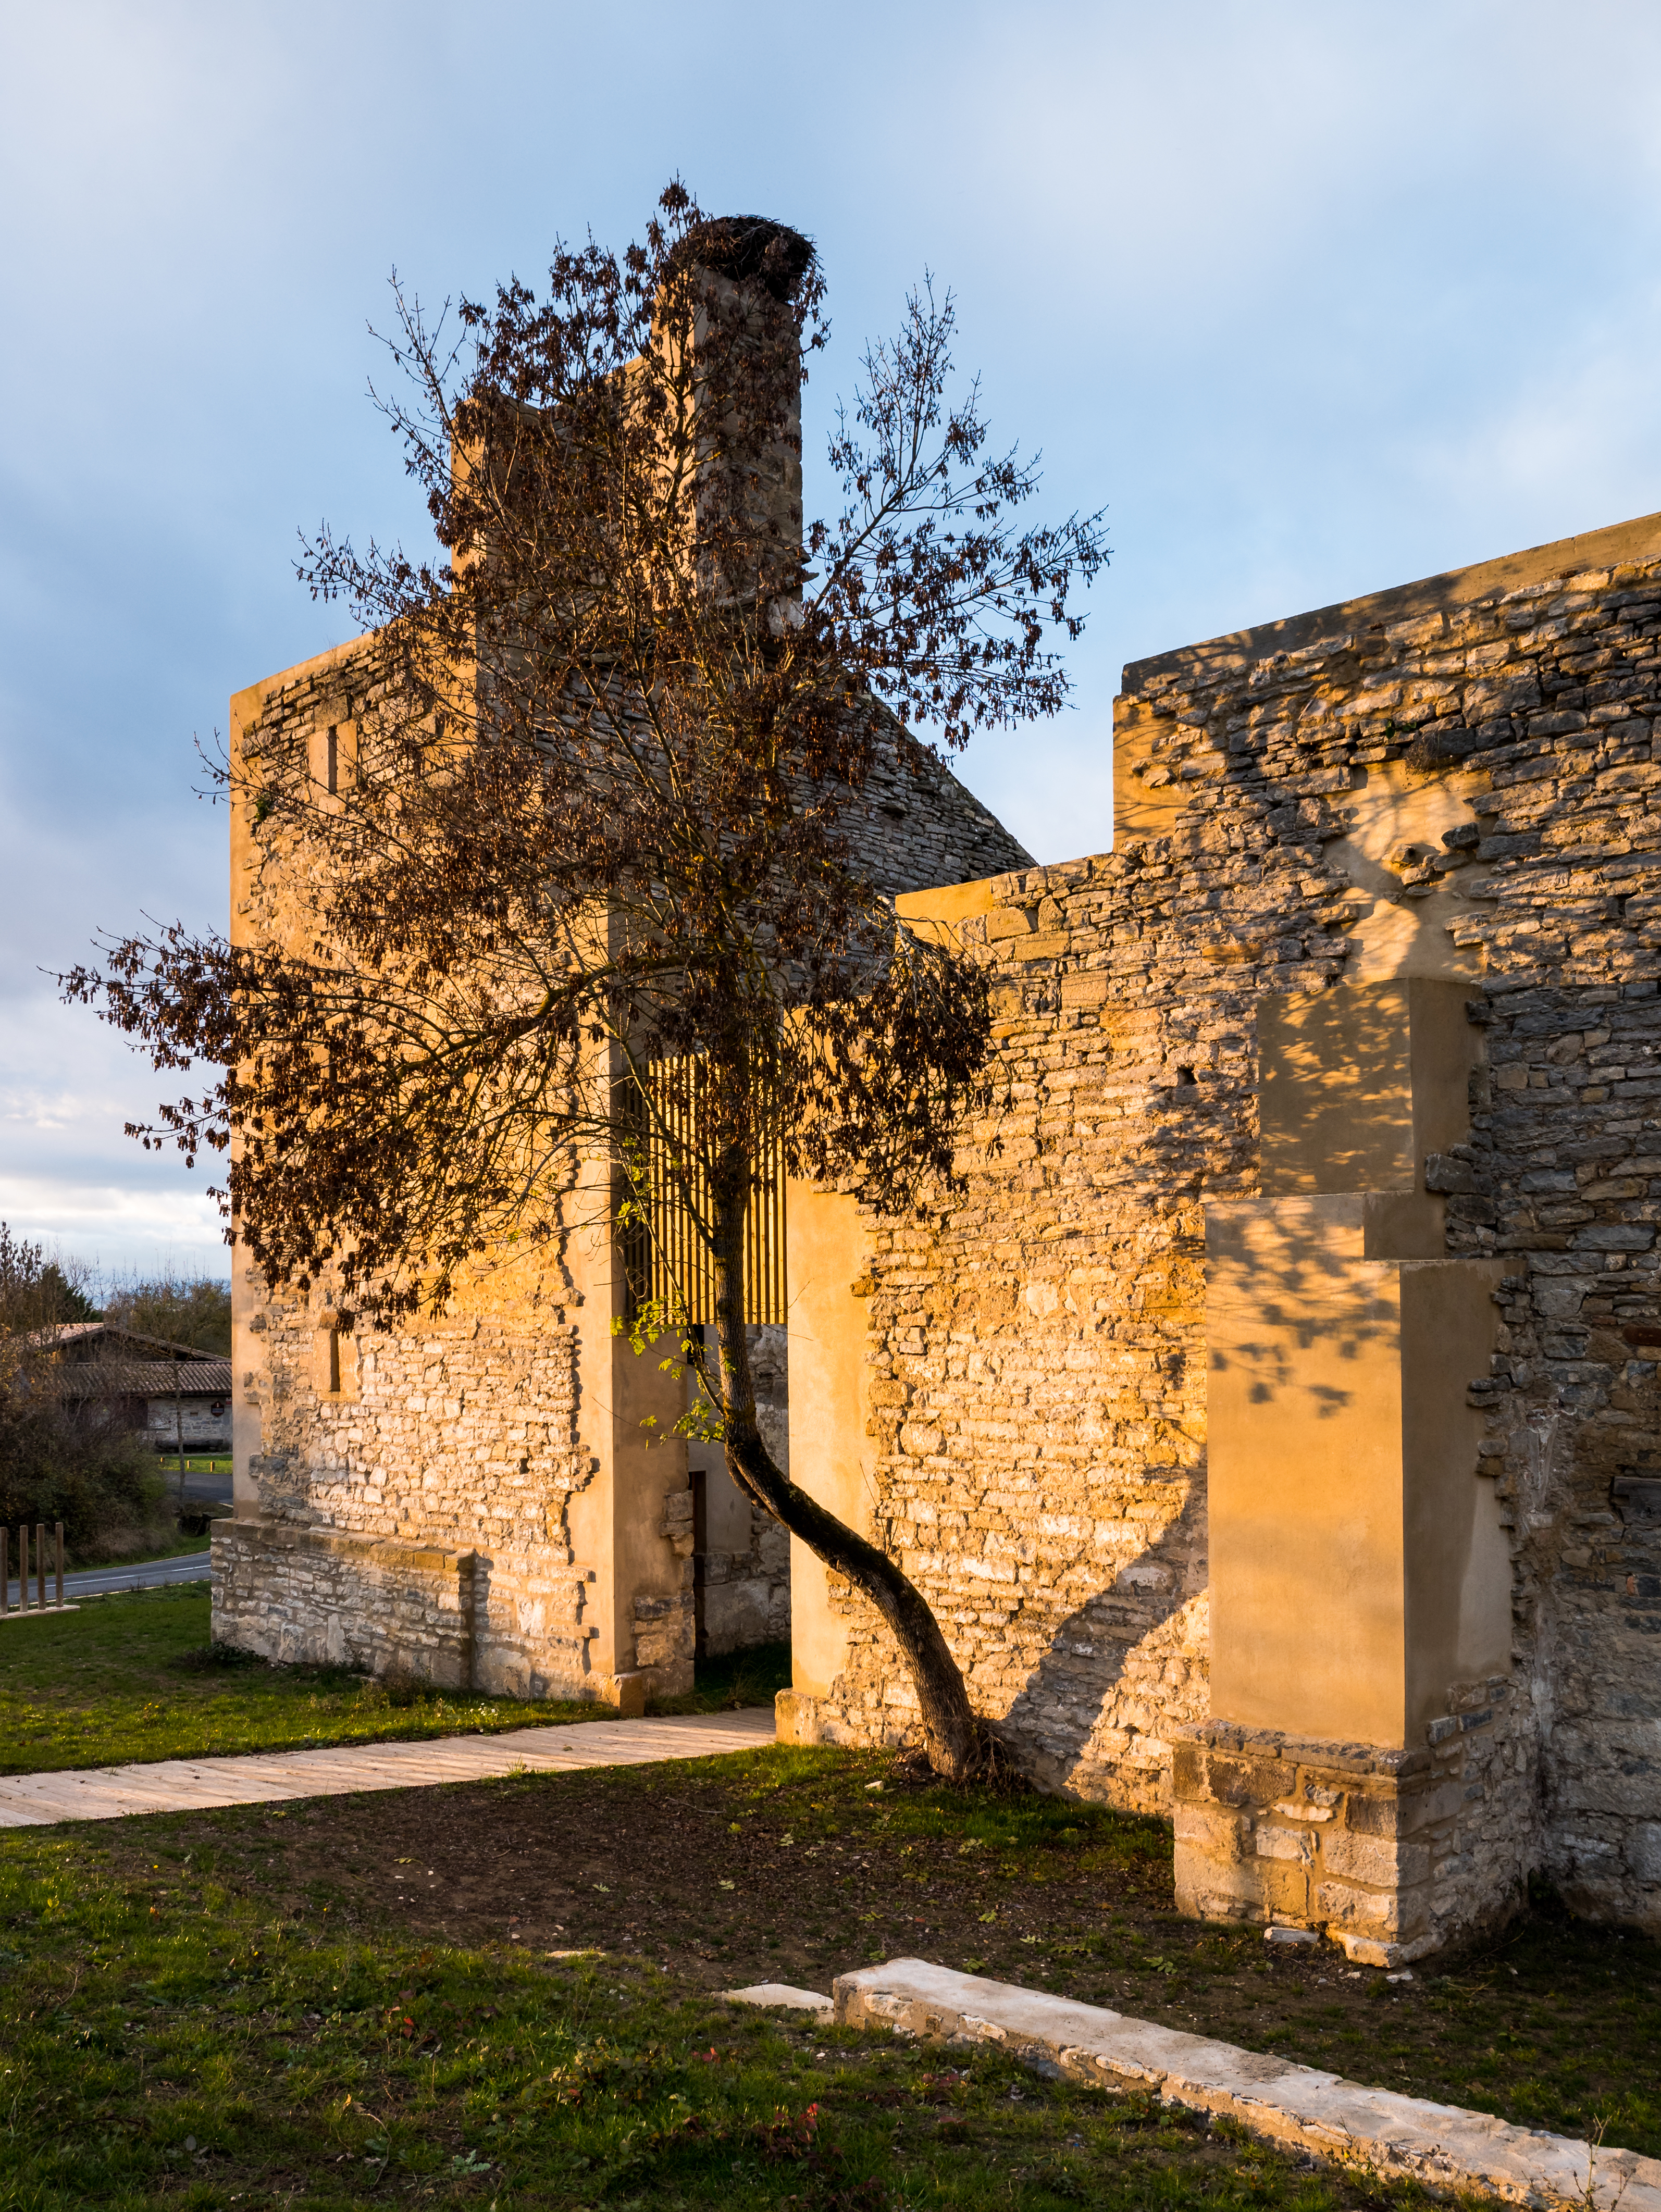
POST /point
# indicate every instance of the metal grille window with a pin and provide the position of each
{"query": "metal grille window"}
(665, 1256)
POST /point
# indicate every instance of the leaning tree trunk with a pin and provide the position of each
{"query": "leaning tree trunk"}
(952, 1737)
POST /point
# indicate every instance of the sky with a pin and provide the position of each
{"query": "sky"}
(1315, 299)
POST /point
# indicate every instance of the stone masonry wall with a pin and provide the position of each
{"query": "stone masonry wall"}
(1392, 1852)
(746, 1593)
(1037, 1351)
(462, 1435)
(457, 1436)
(304, 1595)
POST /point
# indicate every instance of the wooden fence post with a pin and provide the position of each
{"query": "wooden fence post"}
(23, 1566)
(39, 1566)
(5, 1570)
(60, 1566)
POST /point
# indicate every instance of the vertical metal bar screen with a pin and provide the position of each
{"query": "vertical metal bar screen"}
(665, 1256)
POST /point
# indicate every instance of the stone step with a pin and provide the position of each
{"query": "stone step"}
(1341, 2122)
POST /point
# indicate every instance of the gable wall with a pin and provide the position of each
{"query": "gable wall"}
(454, 1510)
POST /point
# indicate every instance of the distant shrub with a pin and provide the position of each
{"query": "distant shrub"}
(65, 1458)
(79, 1466)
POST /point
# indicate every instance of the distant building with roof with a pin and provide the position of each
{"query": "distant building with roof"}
(172, 1392)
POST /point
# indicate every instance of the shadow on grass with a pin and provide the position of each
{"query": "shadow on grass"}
(734, 1680)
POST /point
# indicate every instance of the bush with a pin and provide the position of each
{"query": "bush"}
(81, 1468)
(62, 1458)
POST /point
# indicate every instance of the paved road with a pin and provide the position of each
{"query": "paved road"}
(184, 1785)
(100, 1581)
(204, 1488)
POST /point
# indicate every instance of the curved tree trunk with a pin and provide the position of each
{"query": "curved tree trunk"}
(950, 1734)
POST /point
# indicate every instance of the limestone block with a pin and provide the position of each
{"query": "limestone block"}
(1363, 1950)
(627, 1691)
(797, 1717)
(1381, 1862)
(1388, 1813)
(1207, 1828)
(1644, 1851)
(1250, 1781)
(1274, 1843)
(1229, 1896)
(1379, 1913)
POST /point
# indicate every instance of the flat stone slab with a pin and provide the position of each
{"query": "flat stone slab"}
(185, 1785)
(1340, 2122)
(784, 1993)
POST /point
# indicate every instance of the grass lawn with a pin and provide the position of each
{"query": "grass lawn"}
(202, 2011)
(234, 1976)
(134, 1677)
(784, 1865)
(362, 2000)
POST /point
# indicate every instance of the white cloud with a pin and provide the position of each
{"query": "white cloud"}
(69, 1177)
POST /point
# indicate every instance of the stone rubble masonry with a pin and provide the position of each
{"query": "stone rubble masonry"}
(441, 1512)
(745, 1593)
(1459, 779)
(1390, 1852)
(449, 1461)
(296, 1594)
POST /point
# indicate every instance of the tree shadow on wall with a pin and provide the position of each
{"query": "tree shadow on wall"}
(1087, 1667)
(1335, 1090)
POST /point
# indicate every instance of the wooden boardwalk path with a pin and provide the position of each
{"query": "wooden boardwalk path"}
(186, 1785)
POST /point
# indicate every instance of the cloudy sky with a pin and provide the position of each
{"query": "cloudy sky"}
(1316, 298)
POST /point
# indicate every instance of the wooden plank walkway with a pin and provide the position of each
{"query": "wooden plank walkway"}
(186, 1785)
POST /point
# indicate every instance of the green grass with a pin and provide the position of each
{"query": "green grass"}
(786, 1864)
(196, 1462)
(738, 1679)
(135, 1677)
(170, 2035)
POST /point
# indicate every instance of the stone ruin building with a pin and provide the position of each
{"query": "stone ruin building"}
(1272, 1424)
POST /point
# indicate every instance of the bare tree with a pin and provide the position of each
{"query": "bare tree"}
(600, 923)
(192, 1310)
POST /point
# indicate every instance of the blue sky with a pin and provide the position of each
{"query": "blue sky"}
(1315, 298)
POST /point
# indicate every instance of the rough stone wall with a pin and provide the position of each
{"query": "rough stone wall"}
(1037, 1351)
(454, 1437)
(1392, 1851)
(459, 1435)
(295, 1593)
(463, 1436)
(745, 1593)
